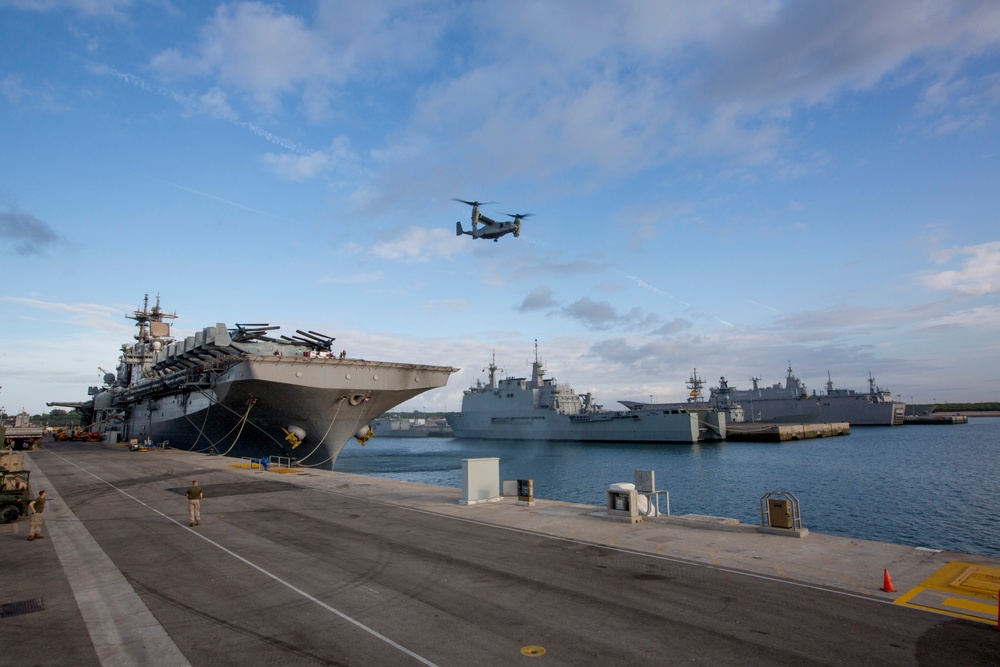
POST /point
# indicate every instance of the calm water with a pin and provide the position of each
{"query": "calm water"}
(928, 486)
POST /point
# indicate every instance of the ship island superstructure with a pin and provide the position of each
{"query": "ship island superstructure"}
(792, 402)
(540, 408)
(243, 392)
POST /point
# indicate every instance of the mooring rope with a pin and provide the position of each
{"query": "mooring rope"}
(356, 422)
(252, 402)
(340, 404)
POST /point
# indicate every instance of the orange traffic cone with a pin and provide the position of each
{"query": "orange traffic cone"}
(887, 583)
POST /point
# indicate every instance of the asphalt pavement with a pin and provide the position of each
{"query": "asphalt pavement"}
(326, 568)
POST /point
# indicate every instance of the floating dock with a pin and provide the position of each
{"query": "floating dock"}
(761, 432)
(936, 419)
(318, 567)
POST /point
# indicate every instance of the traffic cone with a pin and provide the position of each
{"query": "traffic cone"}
(887, 583)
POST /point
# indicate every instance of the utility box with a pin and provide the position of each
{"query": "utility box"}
(779, 512)
(526, 492)
(480, 481)
(623, 503)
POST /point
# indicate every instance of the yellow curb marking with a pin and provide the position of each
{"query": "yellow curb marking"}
(958, 589)
(971, 606)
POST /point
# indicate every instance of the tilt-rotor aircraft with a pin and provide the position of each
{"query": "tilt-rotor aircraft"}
(491, 229)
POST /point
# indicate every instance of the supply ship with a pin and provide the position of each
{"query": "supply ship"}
(539, 408)
(243, 392)
(793, 403)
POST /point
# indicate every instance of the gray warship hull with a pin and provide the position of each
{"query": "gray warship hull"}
(855, 410)
(792, 403)
(651, 426)
(252, 407)
(394, 428)
(541, 409)
(240, 392)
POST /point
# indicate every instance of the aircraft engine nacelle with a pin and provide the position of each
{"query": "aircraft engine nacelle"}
(517, 228)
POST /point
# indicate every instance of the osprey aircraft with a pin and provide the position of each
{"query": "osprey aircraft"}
(491, 229)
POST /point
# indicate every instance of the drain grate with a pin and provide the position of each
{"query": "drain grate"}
(22, 607)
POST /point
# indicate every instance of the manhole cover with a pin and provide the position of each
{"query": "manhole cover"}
(22, 607)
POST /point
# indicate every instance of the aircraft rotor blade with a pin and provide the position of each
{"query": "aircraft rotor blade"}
(473, 203)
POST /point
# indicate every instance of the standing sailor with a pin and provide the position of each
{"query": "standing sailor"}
(194, 503)
(37, 506)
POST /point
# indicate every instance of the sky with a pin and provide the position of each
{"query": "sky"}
(731, 186)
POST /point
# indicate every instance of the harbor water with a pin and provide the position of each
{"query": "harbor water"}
(932, 486)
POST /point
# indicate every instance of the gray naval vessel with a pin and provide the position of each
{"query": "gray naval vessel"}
(542, 409)
(243, 392)
(793, 403)
(394, 426)
(710, 416)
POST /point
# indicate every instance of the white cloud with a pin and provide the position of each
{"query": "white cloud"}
(978, 273)
(269, 54)
(300, 167)
(417, 245)
(297, 167)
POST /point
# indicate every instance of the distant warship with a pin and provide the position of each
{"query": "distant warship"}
(393, 426)
(541, 409)
(793, 403)
(240, 392)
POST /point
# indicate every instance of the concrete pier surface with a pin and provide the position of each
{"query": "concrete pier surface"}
(780, 432)
(327, 568)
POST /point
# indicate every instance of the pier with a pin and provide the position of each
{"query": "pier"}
(775, 432)
(300, 566)
(936, 419)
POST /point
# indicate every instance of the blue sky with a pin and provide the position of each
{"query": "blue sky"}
(729, 186)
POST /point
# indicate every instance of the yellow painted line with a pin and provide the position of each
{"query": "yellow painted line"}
(909, 595)
(964, 590)
(969, 605)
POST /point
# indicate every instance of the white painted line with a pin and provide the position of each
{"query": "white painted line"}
(260, 569)
(121, 627)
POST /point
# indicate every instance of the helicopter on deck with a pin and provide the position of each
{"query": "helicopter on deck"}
(491, 229)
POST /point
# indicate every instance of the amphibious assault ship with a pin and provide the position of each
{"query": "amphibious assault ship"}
(242, 392)
(541, 409)
(793, 403)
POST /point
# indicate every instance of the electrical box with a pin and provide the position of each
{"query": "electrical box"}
(526, 492)
(779, 511)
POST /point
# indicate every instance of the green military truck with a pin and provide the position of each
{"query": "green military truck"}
(14, 494)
